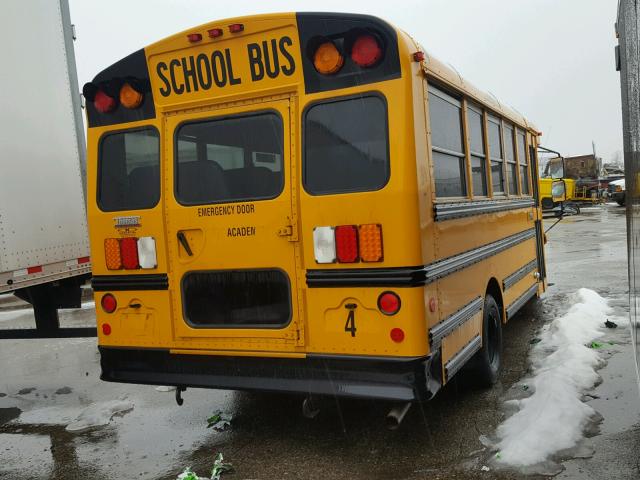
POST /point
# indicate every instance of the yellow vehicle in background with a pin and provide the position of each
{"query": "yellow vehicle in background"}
(547, 202)
(306, 203)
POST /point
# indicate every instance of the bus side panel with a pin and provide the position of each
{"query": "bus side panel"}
(457, 236)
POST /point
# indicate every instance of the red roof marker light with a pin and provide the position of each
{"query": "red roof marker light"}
(215, 32)
(103, 103)
(194, 37)
(366, 51)
(236, 27)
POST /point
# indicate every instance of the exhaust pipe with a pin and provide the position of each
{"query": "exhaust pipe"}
(396, 415)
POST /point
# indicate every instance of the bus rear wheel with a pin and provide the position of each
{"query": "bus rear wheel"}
(488, 360)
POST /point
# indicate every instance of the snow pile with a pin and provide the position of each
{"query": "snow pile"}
(99, 414)
(553, 417)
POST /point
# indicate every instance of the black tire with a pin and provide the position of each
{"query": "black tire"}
(621, 201)
(488, 360)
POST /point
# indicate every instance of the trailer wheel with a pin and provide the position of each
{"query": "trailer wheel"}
(488, 360)
(621, 201)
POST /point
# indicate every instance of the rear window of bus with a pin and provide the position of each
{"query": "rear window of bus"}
(129, 170)
(230, 159)
(346, 146)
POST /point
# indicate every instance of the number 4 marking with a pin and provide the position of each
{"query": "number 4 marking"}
(350, 325)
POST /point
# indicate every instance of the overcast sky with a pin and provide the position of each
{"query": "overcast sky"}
(552, 60)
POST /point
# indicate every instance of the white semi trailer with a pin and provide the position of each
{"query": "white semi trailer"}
(44, 250)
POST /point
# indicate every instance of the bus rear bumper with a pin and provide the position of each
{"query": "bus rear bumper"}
(397, 379)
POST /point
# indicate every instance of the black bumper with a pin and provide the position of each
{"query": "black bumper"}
(365, 377)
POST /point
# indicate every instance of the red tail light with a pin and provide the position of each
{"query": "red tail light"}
(366, 50)
(129, 252)
(108, 303)
(389, 303)
(103, 103)
(347, 243)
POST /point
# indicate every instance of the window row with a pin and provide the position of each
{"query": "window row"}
(241, 157)
(502, 150)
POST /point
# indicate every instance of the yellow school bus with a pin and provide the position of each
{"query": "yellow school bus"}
(306, 203)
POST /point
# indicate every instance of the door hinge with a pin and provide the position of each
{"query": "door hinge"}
(286, 231)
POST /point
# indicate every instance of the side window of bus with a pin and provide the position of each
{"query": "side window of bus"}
(346, 146)
(522, 161)
(477, 150)
(512, 167)
(230, 159)
(129, 170)
(495, 154)
(447, 146)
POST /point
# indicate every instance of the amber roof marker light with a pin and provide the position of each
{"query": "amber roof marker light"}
(327, 59)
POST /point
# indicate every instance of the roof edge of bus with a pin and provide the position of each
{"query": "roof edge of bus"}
(448, 75)
(224, 22)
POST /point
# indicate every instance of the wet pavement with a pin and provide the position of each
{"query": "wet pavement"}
(46, 385)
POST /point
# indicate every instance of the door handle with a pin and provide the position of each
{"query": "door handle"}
(182, 238)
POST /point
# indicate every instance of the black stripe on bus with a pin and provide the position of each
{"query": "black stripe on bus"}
(449, 324)
(454, 365)
(412, 276)
(154, 281)
(518, 275)
(521, 300)
(450, 211)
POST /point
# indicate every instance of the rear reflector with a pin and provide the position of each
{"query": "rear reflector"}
(37, 269)
(112, 256)
(397, 335)
(347, 243)
(147, 252)
(370, 242)
(129, 253)
(106, 329)
(324, 244)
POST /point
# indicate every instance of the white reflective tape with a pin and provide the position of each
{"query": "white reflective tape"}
(71, 263)
(147, 252)
(324, 244)
(21, 273)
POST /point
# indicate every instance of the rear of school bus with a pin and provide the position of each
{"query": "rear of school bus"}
(253, 208)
